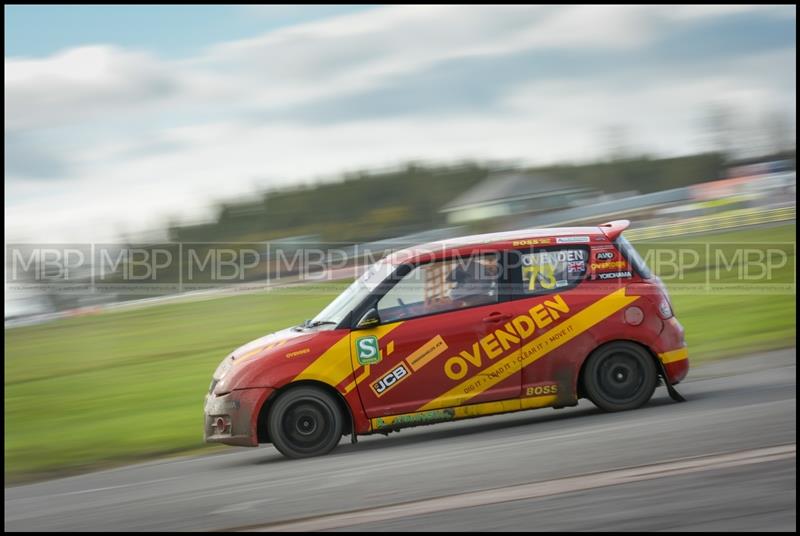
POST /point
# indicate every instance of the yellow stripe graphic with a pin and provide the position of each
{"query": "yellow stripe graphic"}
(674, 355)
(426, 353)
(248, 355)
(463, 412)
(532, 351)
(338, 362)
(379, 332)
(332, 367)
(352, 385)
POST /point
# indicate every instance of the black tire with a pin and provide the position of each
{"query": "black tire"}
(619, 376)
(305, 421)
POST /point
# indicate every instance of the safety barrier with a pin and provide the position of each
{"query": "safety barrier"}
(724, 220)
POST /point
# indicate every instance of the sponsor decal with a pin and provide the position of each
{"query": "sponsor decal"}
(388, 381)
(533, 347)
(335, 365)
(615, 275)
(426, 353)
(553, 257)
(542, 270)
(604, 255)
(541, 390)
(562, 283)
(298, 352)
(532, 242)
(410, 419)
(367, 350)
(502, 339)
(572, 239)
(609, 265)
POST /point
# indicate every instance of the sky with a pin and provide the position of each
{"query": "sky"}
(119, 119)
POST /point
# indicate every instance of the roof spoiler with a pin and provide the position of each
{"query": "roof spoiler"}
(614, 228)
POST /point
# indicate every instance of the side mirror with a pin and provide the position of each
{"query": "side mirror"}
(370, 319)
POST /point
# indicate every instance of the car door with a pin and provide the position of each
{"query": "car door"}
(436, 345)
(549, 289)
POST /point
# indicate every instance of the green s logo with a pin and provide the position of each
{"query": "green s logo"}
(367, 350)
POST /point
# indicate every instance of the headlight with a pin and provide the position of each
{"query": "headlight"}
(221, 388)
(223, 368)
(664, 309)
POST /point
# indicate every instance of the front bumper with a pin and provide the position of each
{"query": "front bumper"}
(232, 418)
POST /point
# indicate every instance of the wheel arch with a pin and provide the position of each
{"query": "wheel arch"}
(580, 390)
(344, 407)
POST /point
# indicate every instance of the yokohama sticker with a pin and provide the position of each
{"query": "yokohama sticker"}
(615, 275)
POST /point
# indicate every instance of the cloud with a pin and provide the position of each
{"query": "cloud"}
(25, 157)
(81, 84)
(138, 137)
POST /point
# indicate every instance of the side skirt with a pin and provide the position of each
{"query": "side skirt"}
(393, 423)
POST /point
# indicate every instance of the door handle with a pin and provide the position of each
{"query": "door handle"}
(497, 317)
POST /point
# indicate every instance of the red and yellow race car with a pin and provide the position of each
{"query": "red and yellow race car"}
(473, 326)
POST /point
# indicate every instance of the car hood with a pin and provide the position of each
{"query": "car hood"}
(262, 347)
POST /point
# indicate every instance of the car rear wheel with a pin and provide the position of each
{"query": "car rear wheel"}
(620, 376)
(305, 421)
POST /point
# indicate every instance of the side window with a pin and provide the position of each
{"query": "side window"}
(551, 270)
(442, 286)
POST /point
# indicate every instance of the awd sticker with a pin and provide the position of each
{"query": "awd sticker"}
(368, 351)
(391, 379)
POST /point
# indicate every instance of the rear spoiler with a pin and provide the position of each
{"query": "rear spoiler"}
(614, 228)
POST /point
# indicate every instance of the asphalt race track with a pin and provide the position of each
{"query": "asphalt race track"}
(724, 460)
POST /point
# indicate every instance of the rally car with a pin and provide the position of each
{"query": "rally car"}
(473, 326)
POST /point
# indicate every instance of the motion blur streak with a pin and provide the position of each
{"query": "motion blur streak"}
(735, 406)
(540, 489)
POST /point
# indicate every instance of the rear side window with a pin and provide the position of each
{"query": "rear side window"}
(547, 270)
(633, 257)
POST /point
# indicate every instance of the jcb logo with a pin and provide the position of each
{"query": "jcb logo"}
(539, 390)
(399, 374)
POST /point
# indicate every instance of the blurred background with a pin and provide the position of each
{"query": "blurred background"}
(360, 129)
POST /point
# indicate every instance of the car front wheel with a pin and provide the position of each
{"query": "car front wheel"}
(305, 421)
